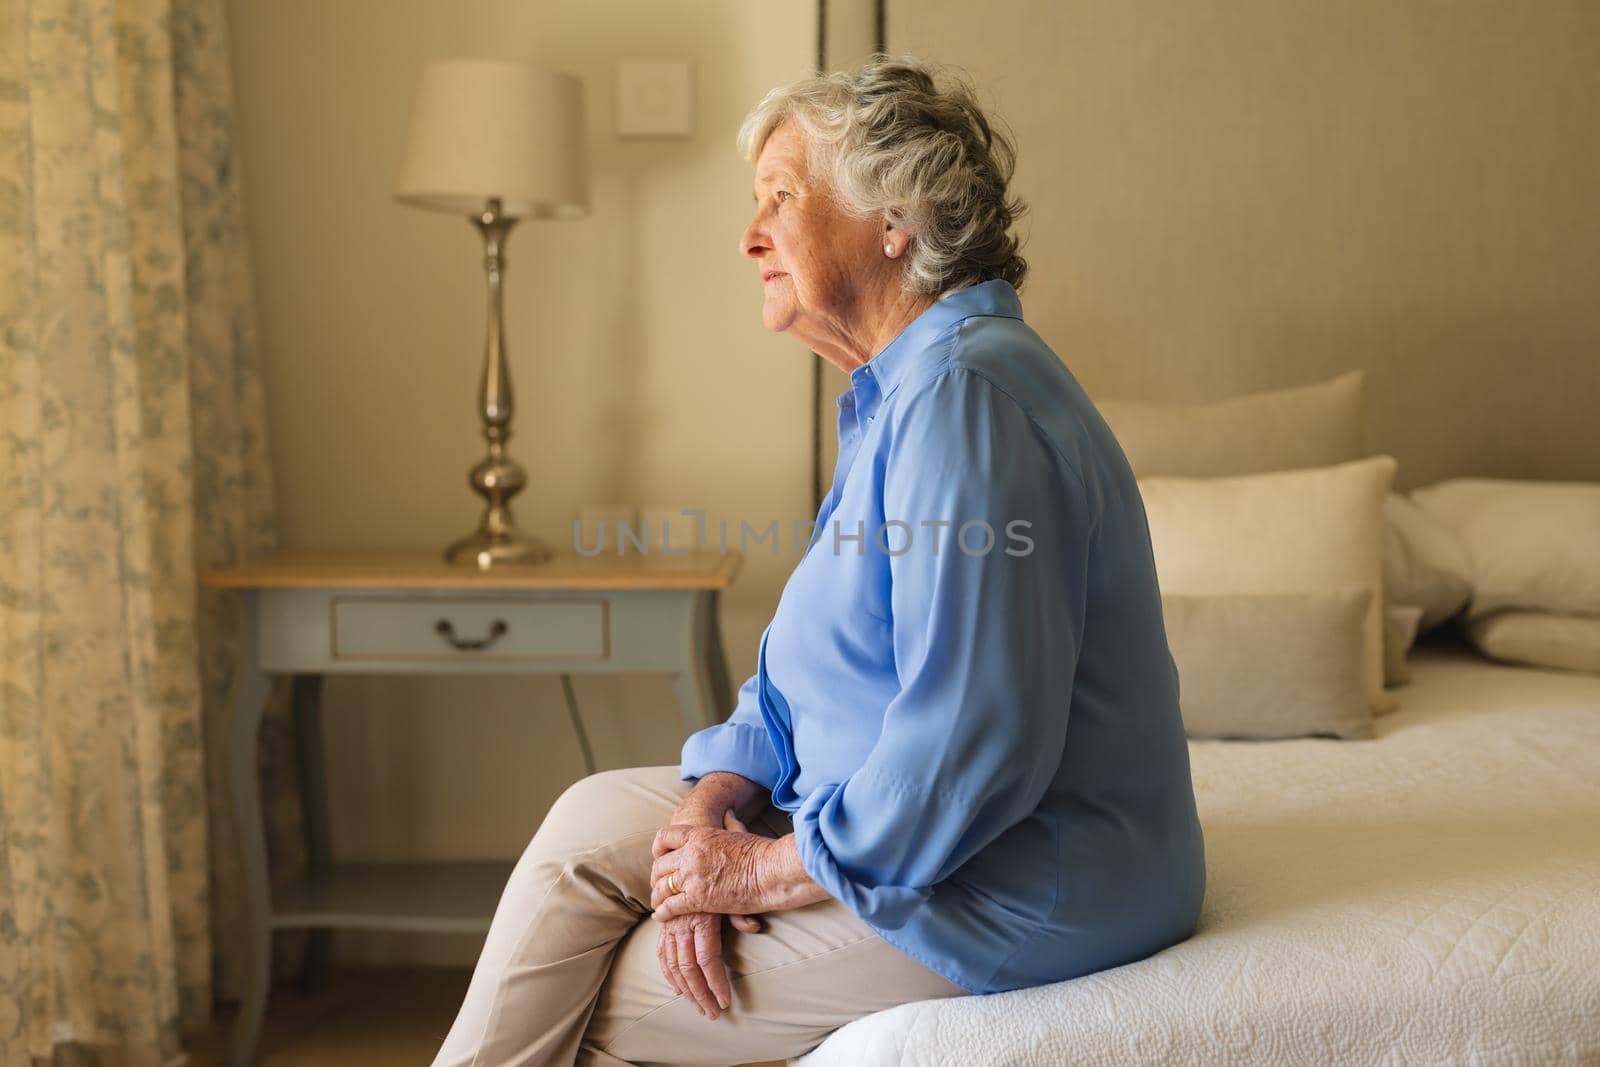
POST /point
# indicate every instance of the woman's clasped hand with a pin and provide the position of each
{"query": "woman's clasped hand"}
(716, 874)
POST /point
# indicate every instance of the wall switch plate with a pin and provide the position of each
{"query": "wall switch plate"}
(655, 98)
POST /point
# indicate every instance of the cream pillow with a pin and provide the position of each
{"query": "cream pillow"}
(1276, 429)
(1314, 530)
(1302, 653)
(1543, 639)
(1531, 544)
(1424, 562)
(1399, 634)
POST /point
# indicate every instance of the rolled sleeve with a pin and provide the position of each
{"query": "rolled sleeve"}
(986, 649)
(740, 744)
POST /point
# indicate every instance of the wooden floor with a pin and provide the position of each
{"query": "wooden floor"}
(364, 1016)
(396, 1017)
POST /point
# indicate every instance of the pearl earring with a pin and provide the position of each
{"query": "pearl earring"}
(888, 249)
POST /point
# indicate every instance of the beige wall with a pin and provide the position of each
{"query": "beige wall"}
(642, 371)
(1230, 196)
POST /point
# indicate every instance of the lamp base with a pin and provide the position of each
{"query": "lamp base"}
(486, 551)
(497, 477)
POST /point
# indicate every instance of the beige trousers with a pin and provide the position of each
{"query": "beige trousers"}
(569, 973)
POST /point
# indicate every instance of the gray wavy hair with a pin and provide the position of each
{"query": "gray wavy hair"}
(895, 143)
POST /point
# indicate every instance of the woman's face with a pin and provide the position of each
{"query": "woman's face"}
(817, 263)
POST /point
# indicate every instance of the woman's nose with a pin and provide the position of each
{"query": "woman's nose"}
(752, 242)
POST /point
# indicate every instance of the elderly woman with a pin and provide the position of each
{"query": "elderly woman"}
(959, 767)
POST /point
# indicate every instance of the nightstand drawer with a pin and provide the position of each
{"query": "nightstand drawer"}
(519, 629)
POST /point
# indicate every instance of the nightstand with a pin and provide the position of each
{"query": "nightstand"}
(310, 614)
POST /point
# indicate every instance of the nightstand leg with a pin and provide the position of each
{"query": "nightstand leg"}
(721, 686)
(253, 689)
(314, 805)
(701, 685)
(571, 699)
(686, 690)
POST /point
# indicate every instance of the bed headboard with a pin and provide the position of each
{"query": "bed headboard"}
(1232, 197)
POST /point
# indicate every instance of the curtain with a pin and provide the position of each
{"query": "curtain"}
(132, 458)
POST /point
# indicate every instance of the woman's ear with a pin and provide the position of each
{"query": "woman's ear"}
(895, 240)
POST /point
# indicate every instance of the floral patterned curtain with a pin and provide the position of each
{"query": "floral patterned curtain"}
(132, 457)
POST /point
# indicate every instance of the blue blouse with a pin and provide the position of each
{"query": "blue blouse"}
(965, 698)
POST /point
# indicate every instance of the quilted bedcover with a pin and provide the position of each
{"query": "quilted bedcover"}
(1430, 896)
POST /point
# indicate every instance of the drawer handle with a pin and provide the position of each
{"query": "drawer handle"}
(496, 630)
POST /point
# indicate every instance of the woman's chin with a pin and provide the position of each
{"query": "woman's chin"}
(777, 315)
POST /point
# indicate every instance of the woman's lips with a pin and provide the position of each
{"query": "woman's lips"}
(773, 277)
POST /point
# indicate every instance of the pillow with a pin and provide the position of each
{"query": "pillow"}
(1399, 634)
(1532, 545)
(1540, 638)
(1424, 562)
(1276, 429)
(1298, 531)
(1271, 665)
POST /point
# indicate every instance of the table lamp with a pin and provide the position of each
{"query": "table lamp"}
(496, 141)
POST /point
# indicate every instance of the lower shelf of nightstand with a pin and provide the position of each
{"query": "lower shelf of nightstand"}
(427, 897)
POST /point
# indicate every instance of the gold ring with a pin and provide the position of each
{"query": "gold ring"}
(672, 882)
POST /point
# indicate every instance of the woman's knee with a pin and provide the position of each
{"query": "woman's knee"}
(607, 806)
(590, 793)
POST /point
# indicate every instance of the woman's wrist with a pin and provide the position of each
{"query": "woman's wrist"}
(718, 792)
(784, 882)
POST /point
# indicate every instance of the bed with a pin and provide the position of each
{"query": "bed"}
(1428, 896)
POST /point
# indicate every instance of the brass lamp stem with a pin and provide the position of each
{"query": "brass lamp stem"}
(497, 477)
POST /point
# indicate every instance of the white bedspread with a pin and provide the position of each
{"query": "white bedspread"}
(1430, 896)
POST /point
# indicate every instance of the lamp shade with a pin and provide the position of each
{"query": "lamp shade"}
(485, 128)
